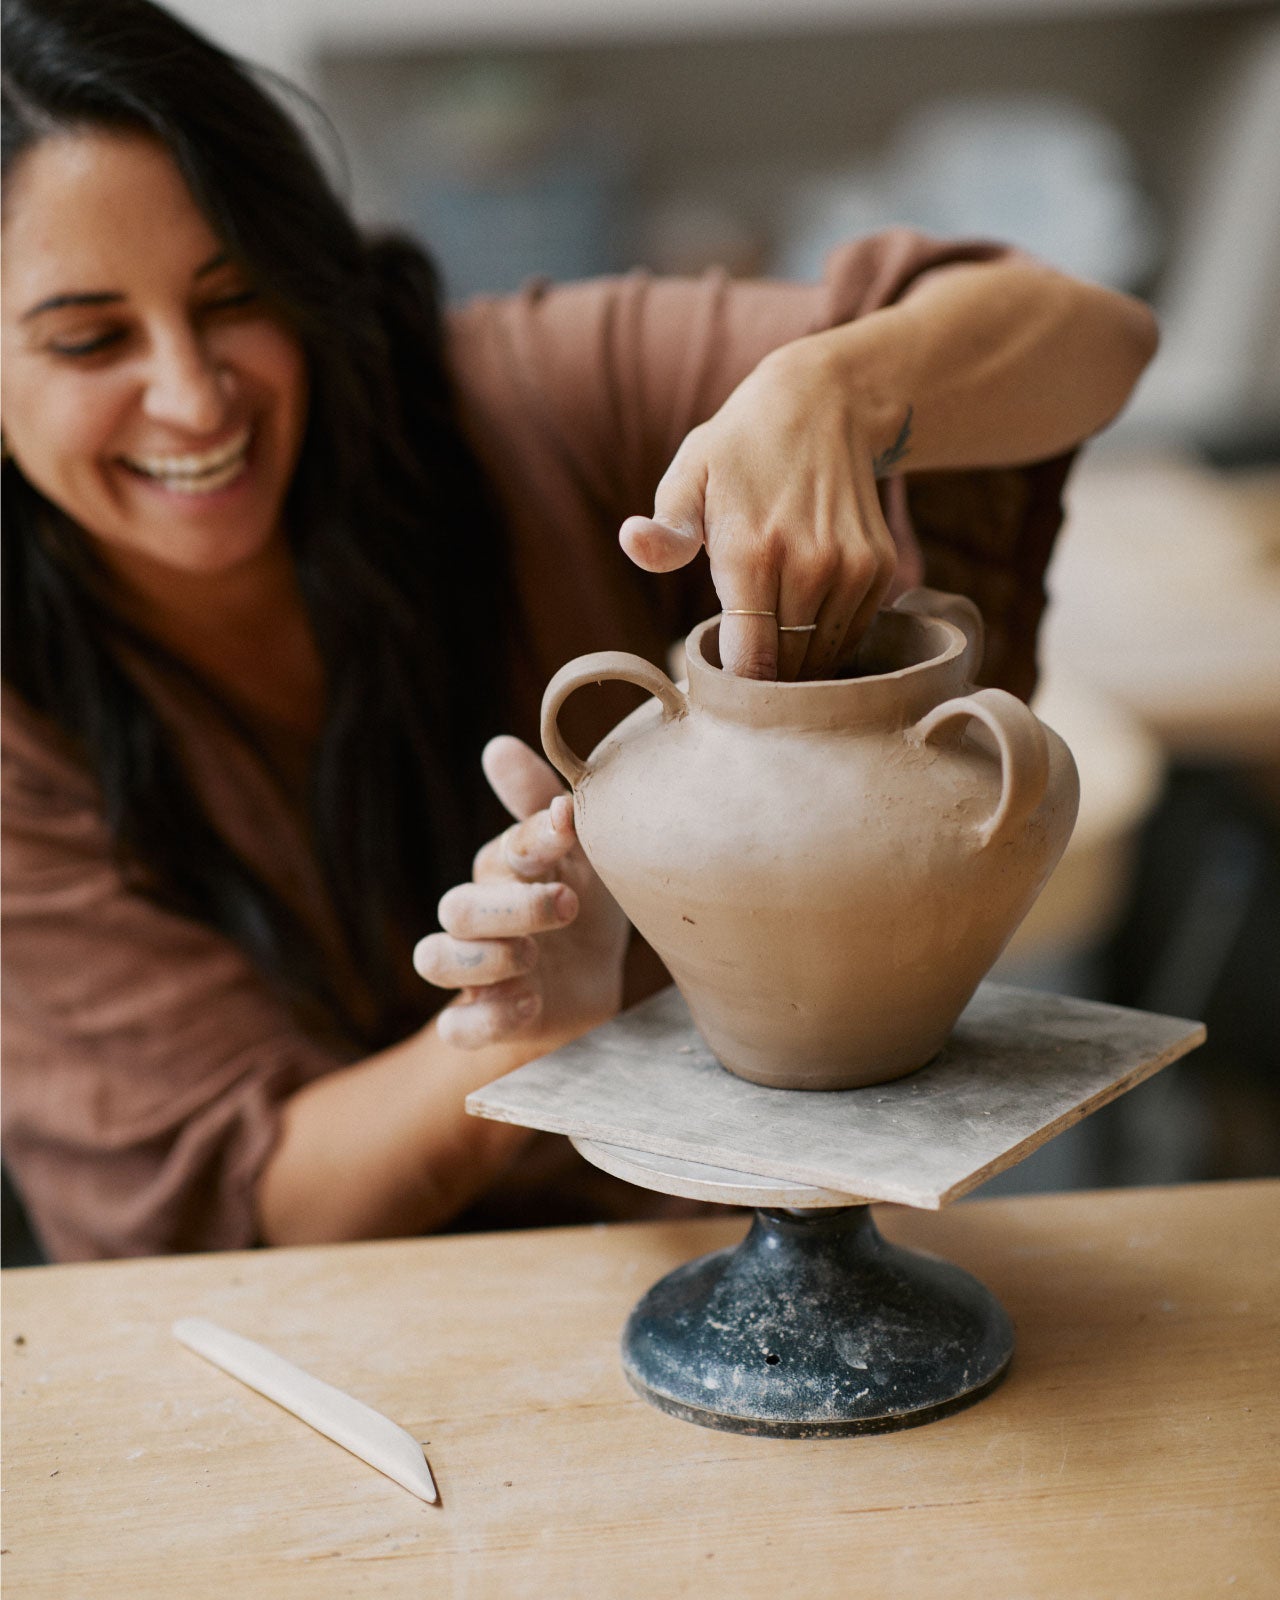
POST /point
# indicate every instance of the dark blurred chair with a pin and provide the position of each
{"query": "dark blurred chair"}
(19, 1246)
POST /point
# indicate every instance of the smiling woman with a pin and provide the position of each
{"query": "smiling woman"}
(286, 543)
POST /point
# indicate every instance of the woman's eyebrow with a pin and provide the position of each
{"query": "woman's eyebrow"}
(109, 297)
(56, 302)
(213, 263)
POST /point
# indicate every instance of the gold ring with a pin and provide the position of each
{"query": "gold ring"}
(799, 627)
(734, 611)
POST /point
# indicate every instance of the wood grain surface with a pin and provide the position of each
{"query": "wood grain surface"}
(1020, 1066)
(1132, 1452)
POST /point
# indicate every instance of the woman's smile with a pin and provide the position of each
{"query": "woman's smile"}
(201, 474)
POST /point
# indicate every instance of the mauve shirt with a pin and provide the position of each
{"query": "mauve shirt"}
(145, 1060)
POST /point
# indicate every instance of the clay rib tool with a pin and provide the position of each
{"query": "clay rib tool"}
(340, 1417)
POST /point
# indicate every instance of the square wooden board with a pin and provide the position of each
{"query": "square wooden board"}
(1019, 1067)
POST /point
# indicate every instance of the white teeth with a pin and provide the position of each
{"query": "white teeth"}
(196, 474)
(206, 483)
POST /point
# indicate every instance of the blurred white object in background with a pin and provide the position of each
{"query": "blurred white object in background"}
(1121, 768)
(1042, 172)
(824, 210)
(1218, 369)
(1045, 173)
(1166, 596)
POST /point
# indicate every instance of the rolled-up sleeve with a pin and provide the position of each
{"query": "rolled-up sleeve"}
(145, 1062)
(614, 372)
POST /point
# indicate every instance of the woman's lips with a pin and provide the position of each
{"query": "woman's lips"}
(194, 474)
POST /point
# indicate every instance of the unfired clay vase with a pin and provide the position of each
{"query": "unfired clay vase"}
(828, 869)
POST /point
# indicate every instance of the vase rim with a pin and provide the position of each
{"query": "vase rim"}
(898, 696)
(955, 647)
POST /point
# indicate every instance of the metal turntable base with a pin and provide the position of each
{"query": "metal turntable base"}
(815, 1326)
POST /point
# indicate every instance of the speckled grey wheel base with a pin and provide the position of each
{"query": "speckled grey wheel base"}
(815, 1327)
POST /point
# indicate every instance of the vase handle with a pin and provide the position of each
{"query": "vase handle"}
(599, 668)
(1024, 753)
(955, 608)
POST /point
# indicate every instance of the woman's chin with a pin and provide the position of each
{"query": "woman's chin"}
(208, 549)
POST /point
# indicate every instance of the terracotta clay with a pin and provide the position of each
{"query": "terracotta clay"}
(828, 869)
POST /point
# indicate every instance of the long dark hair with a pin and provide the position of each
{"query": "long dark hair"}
(396, 539)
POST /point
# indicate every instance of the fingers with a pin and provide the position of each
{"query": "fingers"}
(856, 591)
(832, 574)
(521, 779)
(506, 909)
(842, 621)
(749, 637)
(839, 617)
(657, 547)
(793, 646)
(532, 849)
(824, 603)
(673, 535)
(487, 950)
(838, 585)
(451, 963)
(473, 1021)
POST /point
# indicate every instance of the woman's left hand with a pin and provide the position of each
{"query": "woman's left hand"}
(780, 487)
(534, 943)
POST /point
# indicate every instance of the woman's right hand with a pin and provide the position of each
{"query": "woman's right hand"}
(534, 943)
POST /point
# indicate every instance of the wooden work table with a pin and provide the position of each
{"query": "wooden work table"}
(1132, 1451)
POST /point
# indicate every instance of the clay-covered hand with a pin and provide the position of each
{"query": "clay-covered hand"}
(779, 486)
(534, 942)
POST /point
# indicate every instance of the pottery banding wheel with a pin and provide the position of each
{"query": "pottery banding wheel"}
(815, 1325)
(695, 1180)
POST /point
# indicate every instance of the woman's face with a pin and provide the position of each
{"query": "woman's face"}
(147, 390)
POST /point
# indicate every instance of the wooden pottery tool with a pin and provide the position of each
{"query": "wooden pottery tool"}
(814, 1325)
(341, 1417)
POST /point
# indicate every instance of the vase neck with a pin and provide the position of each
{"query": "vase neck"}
(903, 666)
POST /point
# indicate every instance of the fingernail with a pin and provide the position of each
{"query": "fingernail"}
(561, 811)
(527, 1007)
(565, 903)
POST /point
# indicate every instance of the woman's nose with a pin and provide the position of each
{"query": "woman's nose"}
(185, 387)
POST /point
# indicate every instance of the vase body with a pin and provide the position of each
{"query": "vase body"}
(828, 869)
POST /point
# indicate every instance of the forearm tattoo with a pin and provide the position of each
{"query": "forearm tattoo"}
(889, 458)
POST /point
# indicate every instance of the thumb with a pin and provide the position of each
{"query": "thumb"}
(520, 778)
(674, 534)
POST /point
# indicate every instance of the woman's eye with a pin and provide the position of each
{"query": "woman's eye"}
(87, 347)
(231, 302)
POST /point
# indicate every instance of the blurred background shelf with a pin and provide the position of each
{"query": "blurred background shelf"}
(309, 23)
